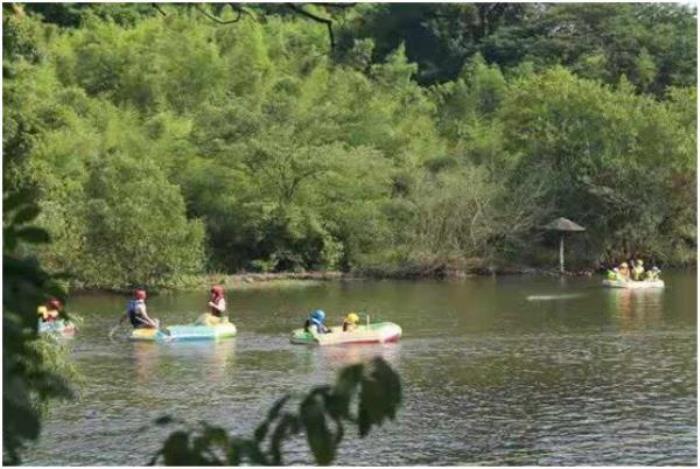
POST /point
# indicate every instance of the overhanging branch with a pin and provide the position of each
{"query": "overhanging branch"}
(319, 19)
(216, 19)
(336, 5)
(160, 10)
(296, 8)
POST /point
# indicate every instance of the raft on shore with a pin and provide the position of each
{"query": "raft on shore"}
(380, 332)
(634, 284)
(185, 332)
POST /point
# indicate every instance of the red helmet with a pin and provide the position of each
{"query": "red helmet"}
(55, 303)
(140, 294)
(217, 290)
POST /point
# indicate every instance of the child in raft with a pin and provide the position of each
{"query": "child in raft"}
(350, 322)
(624, 271)
(50, 311)
(315, 323)
(652, 274)
(217, 308)
(614, 274)
(638, 270)
(136, 312)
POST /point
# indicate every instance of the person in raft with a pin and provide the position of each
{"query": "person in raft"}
(50, 311)
(350, 322)
(614, 274)
(315, 323)
(136, 312)
(638, 270)
(217, 308)
(624, 271)
(652, 274)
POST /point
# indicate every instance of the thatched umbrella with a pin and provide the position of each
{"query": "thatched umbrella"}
(563, 225)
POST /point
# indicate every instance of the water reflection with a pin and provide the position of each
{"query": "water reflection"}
(211, 359)
(635, 308)
(349, 354)
(146, 356)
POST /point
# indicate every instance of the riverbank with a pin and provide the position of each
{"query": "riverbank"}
(251, 281)
(260, 281)
(451, 271)
(255, 281)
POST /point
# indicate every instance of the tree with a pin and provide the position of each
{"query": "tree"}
(280, 156)
(610, 157)
(138, 230)
(649, 44)
(29, 379)
(439, 38)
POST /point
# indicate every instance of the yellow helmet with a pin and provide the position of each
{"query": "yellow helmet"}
(353, 318)
(624, 264)
(640, 262)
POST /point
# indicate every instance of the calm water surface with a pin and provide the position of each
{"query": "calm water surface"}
(495, 371)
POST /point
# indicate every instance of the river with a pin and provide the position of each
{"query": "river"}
(508, 370)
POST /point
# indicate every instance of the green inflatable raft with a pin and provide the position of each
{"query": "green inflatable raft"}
(377, 333)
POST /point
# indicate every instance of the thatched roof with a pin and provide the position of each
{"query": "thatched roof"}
(563, 224)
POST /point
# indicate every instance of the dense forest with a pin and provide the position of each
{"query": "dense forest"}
(175, 139)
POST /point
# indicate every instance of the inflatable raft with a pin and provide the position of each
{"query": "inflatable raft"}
(185, 332)
(634, 284)
(380, 332)
(58, 326)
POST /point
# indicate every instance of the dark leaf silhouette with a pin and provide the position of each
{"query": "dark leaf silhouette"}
(371, 390)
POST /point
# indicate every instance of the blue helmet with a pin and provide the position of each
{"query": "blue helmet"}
(318, 316)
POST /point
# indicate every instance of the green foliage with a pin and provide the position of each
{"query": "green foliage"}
(163, 143)
(138, 230)
(33, 367)
(74, 14)
(439, 38)
(610, 158)
(158, 143)
(652, 44)
(364, 395)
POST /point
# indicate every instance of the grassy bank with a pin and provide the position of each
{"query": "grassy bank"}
(444, 269)
(431, 266)
(253, 281)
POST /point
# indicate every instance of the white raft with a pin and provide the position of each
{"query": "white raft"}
(634, 284)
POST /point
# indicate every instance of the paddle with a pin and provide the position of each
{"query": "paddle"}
(113, 330)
